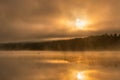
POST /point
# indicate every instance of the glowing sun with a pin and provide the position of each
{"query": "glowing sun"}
(81, 24)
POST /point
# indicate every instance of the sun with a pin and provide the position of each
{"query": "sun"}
(81, 24)
(75, 24)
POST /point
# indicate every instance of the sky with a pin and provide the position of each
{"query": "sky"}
(35, 20)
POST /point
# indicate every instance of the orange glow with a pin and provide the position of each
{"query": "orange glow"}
(84, 24)
(81, 24)
(80, 76)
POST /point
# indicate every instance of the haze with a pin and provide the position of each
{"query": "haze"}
(34, 20)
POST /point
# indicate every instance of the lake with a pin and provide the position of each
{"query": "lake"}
(53, 65)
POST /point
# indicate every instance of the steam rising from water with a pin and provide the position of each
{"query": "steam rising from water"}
(27, 65)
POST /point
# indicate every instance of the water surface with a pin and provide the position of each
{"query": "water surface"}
(52, 65)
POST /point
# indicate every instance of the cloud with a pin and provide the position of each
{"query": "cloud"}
(39, 19)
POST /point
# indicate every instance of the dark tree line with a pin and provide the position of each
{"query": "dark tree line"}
(99, 42)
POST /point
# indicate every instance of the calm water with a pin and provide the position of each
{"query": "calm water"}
(43, 65)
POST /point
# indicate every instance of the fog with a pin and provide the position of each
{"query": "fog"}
(44, 65)
(30, 20)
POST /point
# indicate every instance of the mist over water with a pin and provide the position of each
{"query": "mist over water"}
(46, 65)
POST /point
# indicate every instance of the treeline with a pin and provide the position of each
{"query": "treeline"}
(99, 42)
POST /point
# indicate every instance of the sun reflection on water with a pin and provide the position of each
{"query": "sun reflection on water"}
(80, 76)
(84, 75)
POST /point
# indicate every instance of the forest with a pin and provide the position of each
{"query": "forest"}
(91, 43)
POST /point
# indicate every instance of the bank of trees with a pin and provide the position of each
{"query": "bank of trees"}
(99, 42)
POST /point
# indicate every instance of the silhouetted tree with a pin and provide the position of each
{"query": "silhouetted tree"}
(99, 42)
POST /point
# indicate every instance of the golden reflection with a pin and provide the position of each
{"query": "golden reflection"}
(80, 76)
(84, 75)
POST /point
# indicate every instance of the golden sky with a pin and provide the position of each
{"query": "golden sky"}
(28, 20)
